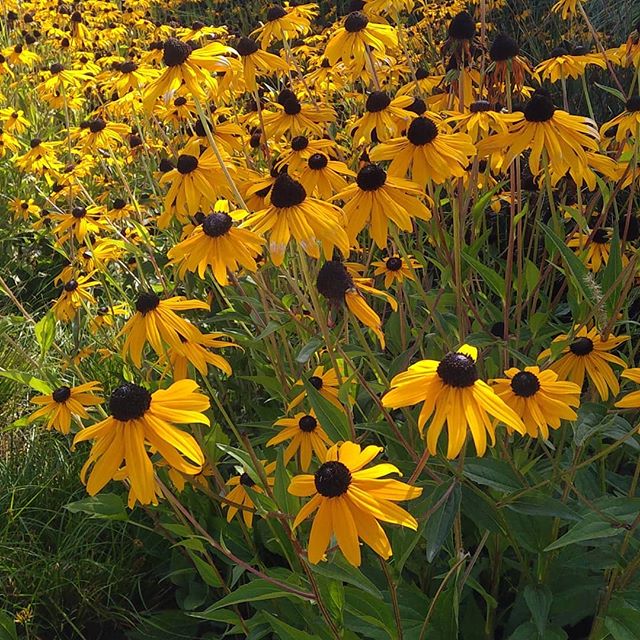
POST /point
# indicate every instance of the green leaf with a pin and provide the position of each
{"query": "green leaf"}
(611, 272)
(371, 610)
(104, 505)
(332, 419)
(308, 350)
(493, 473)
(441, 520)
(531, 275)
(623, 623)
(7, 627)
(253, 591)
(542, 505)
(495, 282)
(45, 331)
(207, 573)
(575, 270)
(340, 569)
(538, 599)
(285, 631)
(614, 92)
(27, 379)
(590, 417)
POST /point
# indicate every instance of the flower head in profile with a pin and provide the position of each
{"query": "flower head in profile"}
(626, 124)
(349, 502)
(239, 499)
(325, 381)
(587, 353)
(305, 436)
(451, 392)
(141, 421)
(594, 248)
(339, 287)
(285, 22)
(75, 292)
(632, 399)
(256, 61)
(384, 115)
(65, 403)
(539, 398)
(198, 352)
(157, 322)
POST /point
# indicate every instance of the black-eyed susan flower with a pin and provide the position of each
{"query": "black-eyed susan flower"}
(139, 421)
(383, 115)
(64, 404)
(313, 223)
(24, 209)
(106, 315)
(238, 498)
(305, 436)
(506, 59)
(377, 199)
(130, 76)
(75, 293)
(285, 22)
(451, 391)
(196, 351)
(395, 269)
(594, 248)
(41, 158)
(196, 183)
(563, 65)
(295, 118)
(350, 501)
(426, 152)
(323, 177)
(630, 400)
(552, 135)
(587, 353)
(479, 122)
(100, 135)
(627, 124)
(188, 66)
(357, 40)
(78, 223)
(301, 149)
(539, 398)
(323, 381)
(157, 322)
(14, 120)
(256, 61)
(219, 245)
(567, 8)
(339, 287)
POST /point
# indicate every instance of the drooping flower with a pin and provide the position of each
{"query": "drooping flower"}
(238, 498)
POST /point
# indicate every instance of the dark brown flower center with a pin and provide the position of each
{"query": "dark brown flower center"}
(371, 177)
(458, 370)
(332, 479)
(246, 46)
(70, 286)
(129, 402)
(377, 101)
(633, 104)
(217, 224)
(299, 143)
(147, 302)
(61, 394)
(246, 481)
(422, 131)
(355, 21)
(480, 106)
(275, 13)
(316, 382)
(539, 109)
(175, 52)
(462, 26)
(79, 212)
(504, 47)
(333, 280)
(394, 263)
(600, 236)
(187, 164)
(287, 192)
(97, 125)
(318, 161)
(307, 424)
(525, 384)
(581, 346)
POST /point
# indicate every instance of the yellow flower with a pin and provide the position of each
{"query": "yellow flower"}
(376, 199)
(428, 153)
(74, 292)
(452, 392)
(325, 382)
(386, 116)
(139, 420)
(238, 496)
(312, 223)
(631, 400)
(257, 61)
(350, 500)
(395, 269)
(306, 436)
(155, 321)
(594, 247)
(566, 8)
(217, 244)
(64, 403)
(285, 23)
(195, 351)
(627, 123)
(539, 398)
(588, 353)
